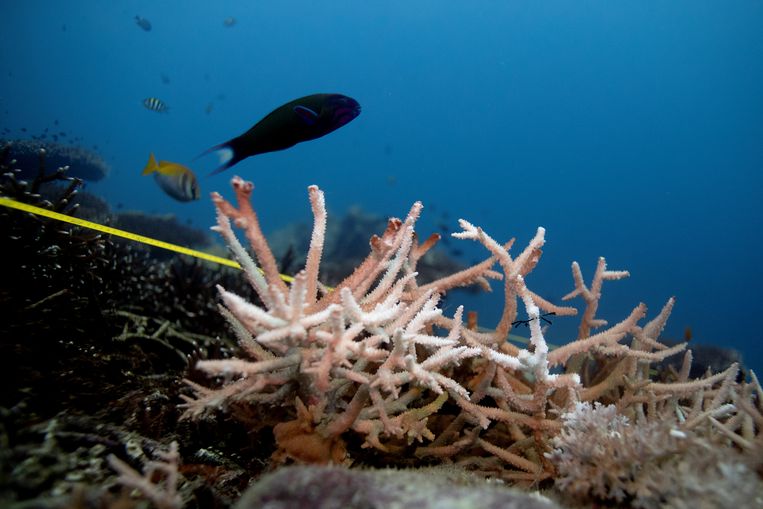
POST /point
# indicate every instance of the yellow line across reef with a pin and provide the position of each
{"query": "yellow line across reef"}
(7, 202)
(13, 204)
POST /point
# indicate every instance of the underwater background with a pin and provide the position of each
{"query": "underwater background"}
(630, 130)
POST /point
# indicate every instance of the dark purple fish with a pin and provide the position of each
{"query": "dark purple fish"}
(300, 120)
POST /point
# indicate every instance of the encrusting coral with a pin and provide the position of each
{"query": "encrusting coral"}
(375, 361)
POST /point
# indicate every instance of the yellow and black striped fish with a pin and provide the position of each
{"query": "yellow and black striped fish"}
(154, 104)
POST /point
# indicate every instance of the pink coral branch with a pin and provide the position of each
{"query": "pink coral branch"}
(314, 253)
(246, 218)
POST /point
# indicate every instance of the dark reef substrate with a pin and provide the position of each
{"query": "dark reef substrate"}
(95, 339)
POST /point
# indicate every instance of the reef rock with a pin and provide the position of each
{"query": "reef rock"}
(332, 487)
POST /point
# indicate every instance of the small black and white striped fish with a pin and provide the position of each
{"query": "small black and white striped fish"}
(154, 104)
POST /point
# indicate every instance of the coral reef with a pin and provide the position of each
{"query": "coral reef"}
(370, 373)
(652, 462)
(88, 271)
(373, 372)
(165, 227)
(94, 339)
(164, 495)
(345, 247)
(81, 162)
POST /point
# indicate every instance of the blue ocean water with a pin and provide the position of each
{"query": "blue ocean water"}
(631, 130)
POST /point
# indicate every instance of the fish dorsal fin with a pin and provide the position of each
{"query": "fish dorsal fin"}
(309, 116)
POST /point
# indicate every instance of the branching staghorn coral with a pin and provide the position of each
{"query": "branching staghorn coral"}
(162, 491)
(344, 351)
(671, 456)
(376, 357)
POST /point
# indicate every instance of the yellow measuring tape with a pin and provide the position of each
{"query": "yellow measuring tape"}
(13, 204)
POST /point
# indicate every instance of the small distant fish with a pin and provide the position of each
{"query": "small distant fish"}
(154, 104)
(229, 21)
(209, 108)
(300, 120)
(175, 179)
(143, 23)
(165, 79)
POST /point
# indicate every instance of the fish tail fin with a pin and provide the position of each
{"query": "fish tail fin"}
(229, 153)
(151, 165)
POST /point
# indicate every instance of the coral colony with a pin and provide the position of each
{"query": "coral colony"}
(375, 361)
